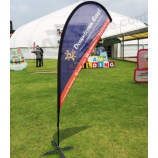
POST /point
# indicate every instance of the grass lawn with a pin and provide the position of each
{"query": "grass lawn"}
(105, 114)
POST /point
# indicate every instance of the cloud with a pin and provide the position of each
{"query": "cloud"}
(20, 8)
(24, 8)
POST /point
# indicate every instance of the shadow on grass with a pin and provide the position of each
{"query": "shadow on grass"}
(137, 83)
(68, 132)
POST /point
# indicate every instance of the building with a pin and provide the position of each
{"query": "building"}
(126, 44)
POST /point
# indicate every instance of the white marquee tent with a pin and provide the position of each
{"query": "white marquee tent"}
(43, 31)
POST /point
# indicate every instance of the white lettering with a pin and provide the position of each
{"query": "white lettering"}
(83, 36)
(96, 15)
(76, 46)
(94, 65)
(100, 58)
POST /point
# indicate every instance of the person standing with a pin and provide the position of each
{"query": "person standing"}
(58, 32)
(38, 56)
(41, 55)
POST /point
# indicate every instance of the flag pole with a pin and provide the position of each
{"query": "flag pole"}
(58, 149)
(58, 125)
(58, 95)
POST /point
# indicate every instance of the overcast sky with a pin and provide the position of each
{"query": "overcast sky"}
(25, 11)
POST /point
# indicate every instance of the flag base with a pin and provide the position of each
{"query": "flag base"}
(58, 149)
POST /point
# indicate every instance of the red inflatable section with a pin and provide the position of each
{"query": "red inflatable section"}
(141, 73)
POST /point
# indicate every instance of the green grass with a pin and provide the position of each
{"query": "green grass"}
(105, 114)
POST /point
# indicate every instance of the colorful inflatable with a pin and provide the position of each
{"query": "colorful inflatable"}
(17, 60)
(100, 61)
(99, 50)
(141, 73)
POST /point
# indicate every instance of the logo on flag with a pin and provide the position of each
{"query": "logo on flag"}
(70, 55)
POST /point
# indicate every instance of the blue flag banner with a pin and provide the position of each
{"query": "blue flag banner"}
(81, 33)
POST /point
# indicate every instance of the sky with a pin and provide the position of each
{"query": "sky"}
(25, 11)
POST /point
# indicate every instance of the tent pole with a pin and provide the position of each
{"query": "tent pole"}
(29, 52)
(138, 44)
(123, 47)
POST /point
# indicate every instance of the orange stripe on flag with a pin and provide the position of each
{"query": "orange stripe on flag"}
(82, 62)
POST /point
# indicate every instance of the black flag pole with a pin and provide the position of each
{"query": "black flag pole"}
(58, 149)
(58, 94)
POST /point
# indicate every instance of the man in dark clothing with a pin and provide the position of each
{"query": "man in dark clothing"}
(38, 56)
(41, 55)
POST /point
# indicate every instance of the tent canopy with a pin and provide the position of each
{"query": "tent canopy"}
(111, 41)
(140, 33)
(43, 30)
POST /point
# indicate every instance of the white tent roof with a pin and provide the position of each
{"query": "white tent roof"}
(44, 28)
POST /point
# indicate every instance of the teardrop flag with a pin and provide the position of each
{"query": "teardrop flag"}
(81, 33)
